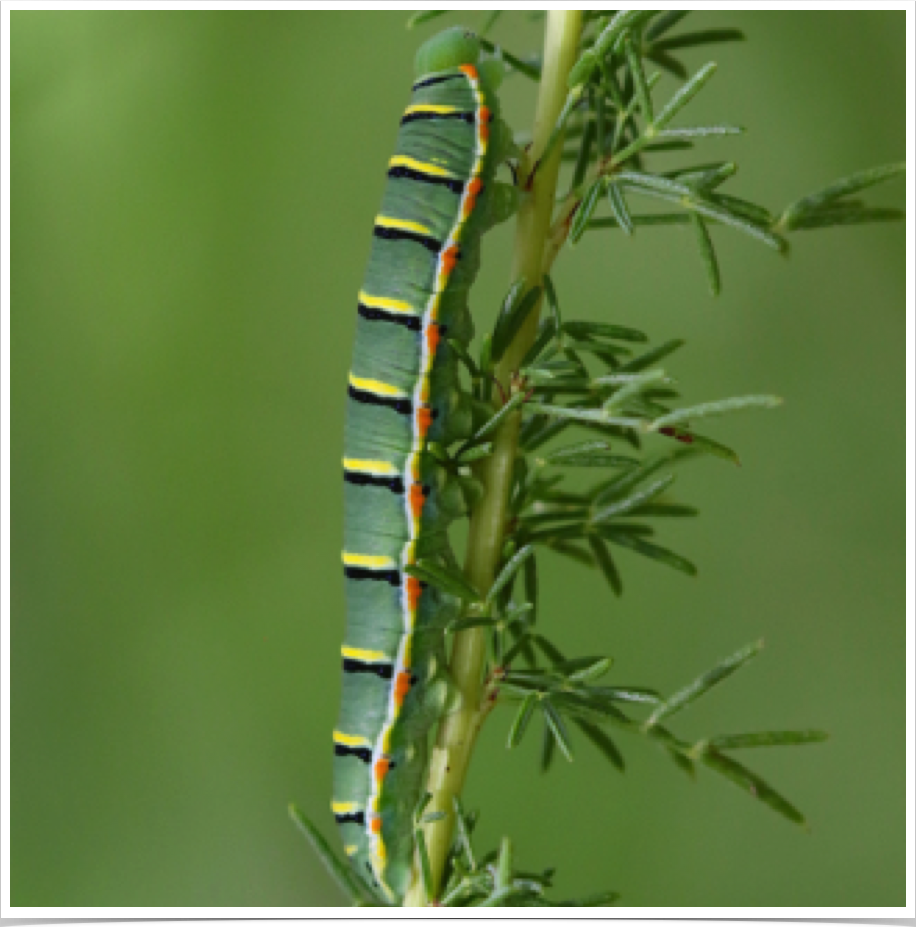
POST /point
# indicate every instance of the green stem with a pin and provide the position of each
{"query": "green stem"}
(458, 732)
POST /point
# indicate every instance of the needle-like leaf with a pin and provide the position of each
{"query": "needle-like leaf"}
(703, 684)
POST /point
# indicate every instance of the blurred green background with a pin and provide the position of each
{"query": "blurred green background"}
(193, 197)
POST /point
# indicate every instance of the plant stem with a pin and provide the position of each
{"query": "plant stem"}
(458, 732)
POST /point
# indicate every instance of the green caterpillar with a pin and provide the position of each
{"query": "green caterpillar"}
(404, 395)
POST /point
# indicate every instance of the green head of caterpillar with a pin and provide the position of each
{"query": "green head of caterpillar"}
(449, 49)
(453, 48)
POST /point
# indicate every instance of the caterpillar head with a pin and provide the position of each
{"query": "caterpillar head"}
(449, 49)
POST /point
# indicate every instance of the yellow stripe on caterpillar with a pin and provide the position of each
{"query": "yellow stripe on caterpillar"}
(347, 740)
(345, 807)
(374, 467)
(433, 108)
(364, 656)
(386, 304)
(369, 561)
(423, 167)
(389, 222)
(377, 387)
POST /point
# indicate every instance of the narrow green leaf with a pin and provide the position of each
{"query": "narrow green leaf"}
(604, 743)
(553, 303)
(637, 385)
(639, 77)
(511, 406)
(759, 215)
(426, 870)
(573, 552)
(668, 20)
(668, 62)
(841, 188)
(531, 71)
(638, 364)
(583, 69)
(464, 357)
(722, 407)
(685, 94)
(630, 503)
(473, 454)
(708, 254)
(547, 332)
(606, 564)
(684, 763)
(341, 873)
(511, 320)
(586, 210)
(585, 155)
(511, 300)
(522, 720)
(464, 834)
(489, 22)
(631, 695)
(573, 98)
(588, 454)
(609, 222)
(705, 176)
(652, 551)
(424, 16)
(623, 19)
(587, 669)
(603, 330)
(507, 574)
(767, 739)
(620, 486)
(831, 217)
(503, 869)
(699, 687)
(422, 805)
(548, 747)
(711, 131)
(752, 784)
(549, 649)
(620, 209)
(543, 430)
(558, 728)
(699, 443)
(704, 37)
(444, 578)
(712, 210)
(593, 416)
(664, 510)
(653, 182)
(600, 900)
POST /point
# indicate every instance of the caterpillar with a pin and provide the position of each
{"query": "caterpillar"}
(403, 396)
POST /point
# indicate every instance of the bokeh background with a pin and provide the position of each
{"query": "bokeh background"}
(193, 195)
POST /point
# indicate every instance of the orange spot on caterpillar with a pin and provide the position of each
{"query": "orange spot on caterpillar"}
(414, 591)
(424, 420)
(469, 70)
(401, 688)
(450, 259)
(381, 770)
(485, 117)
(473, 191)
(417, 500)
(376, 825)
(432, 338)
